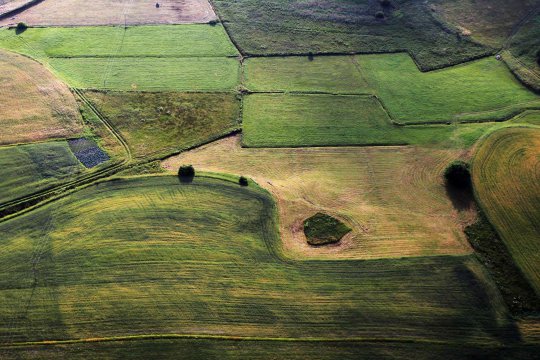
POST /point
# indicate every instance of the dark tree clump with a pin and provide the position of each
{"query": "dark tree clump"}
(385, 3)
(21, 27)
(243, 181)
(186, 171)
(458, 174)
(310, 56)
(379, 15)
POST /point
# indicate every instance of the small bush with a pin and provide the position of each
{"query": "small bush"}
(243, 181)
(379, 15)
(213, 22)
(458, 174)
(310, 56)
(186, 171)
(21, 27)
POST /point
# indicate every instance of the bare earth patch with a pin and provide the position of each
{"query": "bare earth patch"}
(107, 12)
(393, 198)
(34, 104)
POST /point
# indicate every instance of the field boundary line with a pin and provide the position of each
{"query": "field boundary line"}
(226, 29)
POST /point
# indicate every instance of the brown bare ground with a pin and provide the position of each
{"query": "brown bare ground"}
(34, 104)
(108, 12)
(392, 197)
(9, 5)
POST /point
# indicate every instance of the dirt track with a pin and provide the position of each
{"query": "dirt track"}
(107, 12)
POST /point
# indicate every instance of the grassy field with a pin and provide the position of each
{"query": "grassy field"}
(285, 120)
(79, 12)
(370, 189)
(115, 41)
(507, 183)
(205, 258)
(488, 21)
(299, 26)
(158, 124)
(30, 168)
(35, 105)
(333, 74)
(149, 74)
(481, 90)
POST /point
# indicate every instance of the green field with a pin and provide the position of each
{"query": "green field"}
(282, 120)
(507, 183)
(337, 26)
(159, 124)
(30, 168)
(480, 90)
(151, 255)
(150, 74)
(334, 74)
(115, 41)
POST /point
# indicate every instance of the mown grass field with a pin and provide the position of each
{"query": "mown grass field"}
(299, 27)
(296, 120)
(103, 12)
(480, 90)
(35, 105)
(116, 41)
(205, 258)
(506, 175)
(333, 74)
(370, 189)
(158, 124)
(29, 168)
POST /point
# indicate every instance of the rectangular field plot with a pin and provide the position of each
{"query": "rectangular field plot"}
(205, 258)
(115, 41)
(333, 74)
(119, 12)
(29, 168)
(155, 74)
(158, 124)
(479, 90)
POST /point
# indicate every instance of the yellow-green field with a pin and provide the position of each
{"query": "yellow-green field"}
(34, 104)
(392, 197)
(506, 175)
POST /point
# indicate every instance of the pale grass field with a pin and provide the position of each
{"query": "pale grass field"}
(34, 104)
(107, 12)
(392, 197)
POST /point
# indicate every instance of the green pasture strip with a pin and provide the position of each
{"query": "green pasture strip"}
(159, 124)
(299, 27)
(205, 349)
(333, 74)
(30, 168)
(482, 90)
(150, 74)
(507, 184)
(198, 40)
(295, 120)
(154, 255)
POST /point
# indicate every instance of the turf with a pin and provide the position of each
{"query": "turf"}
(334, 74)
(29, 168)
(507, 184)
(35, 105)
(300, 26)
(392, 197)
(480, 90)
(323, 229)
(115, 41)
(149, 74)
(205, 258)
(158, 124)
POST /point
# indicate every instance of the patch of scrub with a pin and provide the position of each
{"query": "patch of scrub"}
(87, 152)
(322, 229)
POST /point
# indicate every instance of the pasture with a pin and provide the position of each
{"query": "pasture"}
(299, 27)
(35, 105)
(370, 189)
(159, 124)
(103, 12)
(506, 176)
(27, 169)
(205, 259)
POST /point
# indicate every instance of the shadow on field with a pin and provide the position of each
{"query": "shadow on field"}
(462, 198)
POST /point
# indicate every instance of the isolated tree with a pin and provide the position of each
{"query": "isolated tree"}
(21, 27)
(243, 181)
(186, 171)
(458, 174)
(379, 15)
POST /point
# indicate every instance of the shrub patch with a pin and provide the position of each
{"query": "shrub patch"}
(87, 152)
(322, 229)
